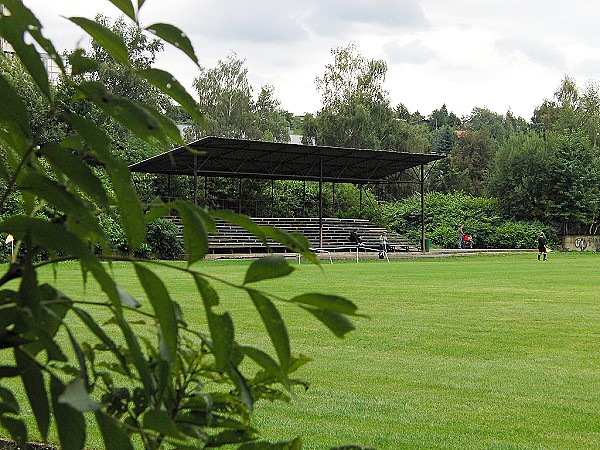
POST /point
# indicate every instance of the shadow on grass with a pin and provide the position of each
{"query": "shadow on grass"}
(11, 445)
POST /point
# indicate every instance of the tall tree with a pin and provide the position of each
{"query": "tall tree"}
(443, 141)
(573, 181)
(125, 80)
(562, 113)
(355, 108)
(589, 110)
(272, 123)
(472, 155)
(519, 176)
(226, 96)
(440, 118)
(499, 126)
(143, 51)
(351, 75)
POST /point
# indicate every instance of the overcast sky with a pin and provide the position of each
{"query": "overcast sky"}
(500, 54)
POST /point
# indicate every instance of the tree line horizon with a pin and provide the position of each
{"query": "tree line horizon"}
(545, 169)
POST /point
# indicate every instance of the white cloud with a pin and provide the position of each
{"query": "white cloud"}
(347, 16)
(465, 53)
(538, 52)
(412, 52)
(236, 21)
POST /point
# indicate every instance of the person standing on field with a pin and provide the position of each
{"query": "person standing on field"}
(461, 234)
(542, 246)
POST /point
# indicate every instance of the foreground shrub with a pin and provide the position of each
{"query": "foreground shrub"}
(131, 367)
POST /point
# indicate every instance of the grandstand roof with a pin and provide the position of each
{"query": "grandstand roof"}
(239, 158)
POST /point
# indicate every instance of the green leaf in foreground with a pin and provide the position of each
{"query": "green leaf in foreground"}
(28, 21)
(339, 324)
(164, 309)
(295, 444)
(325, 301)
(69, 422)
(113, 434)
(76, 396)
(175, 37)
(126, 7)
(267, 363)
(8, 401)
(78, 172)
(173, 88)
(33, 382)
(242, 221)
(133, 215)
(16, 428)
(10, 30)
(266, 268)
(80, 63)
(220, 325)
(128, 113)
(195, 225)
(275, 326)
(296, 242)
(159, 420)
(13, 113)
(78, 212)
(112, 42)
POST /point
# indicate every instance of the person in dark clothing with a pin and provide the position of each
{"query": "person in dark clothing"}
(354, 237)
(542, 246)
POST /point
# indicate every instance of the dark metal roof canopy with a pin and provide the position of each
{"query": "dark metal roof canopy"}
(236, 158)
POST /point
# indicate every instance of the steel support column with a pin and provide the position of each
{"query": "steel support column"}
(333, 199)
(360, 190)
(169, 193)
(205, 191)
(240, 196)
(272, 206)
(422, 180)
(321, 202)
(195, 179)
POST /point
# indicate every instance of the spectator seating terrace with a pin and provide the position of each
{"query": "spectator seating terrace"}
(234, 239)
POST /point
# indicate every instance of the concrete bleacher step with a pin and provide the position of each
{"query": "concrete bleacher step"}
(231, 238)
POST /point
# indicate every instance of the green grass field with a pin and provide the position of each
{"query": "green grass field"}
(499, 352)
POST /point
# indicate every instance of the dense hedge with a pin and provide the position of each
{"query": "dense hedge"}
(162, 240)
(481, 217)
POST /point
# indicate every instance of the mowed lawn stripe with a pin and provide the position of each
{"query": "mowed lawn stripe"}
(464, 352)
(478, 352)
